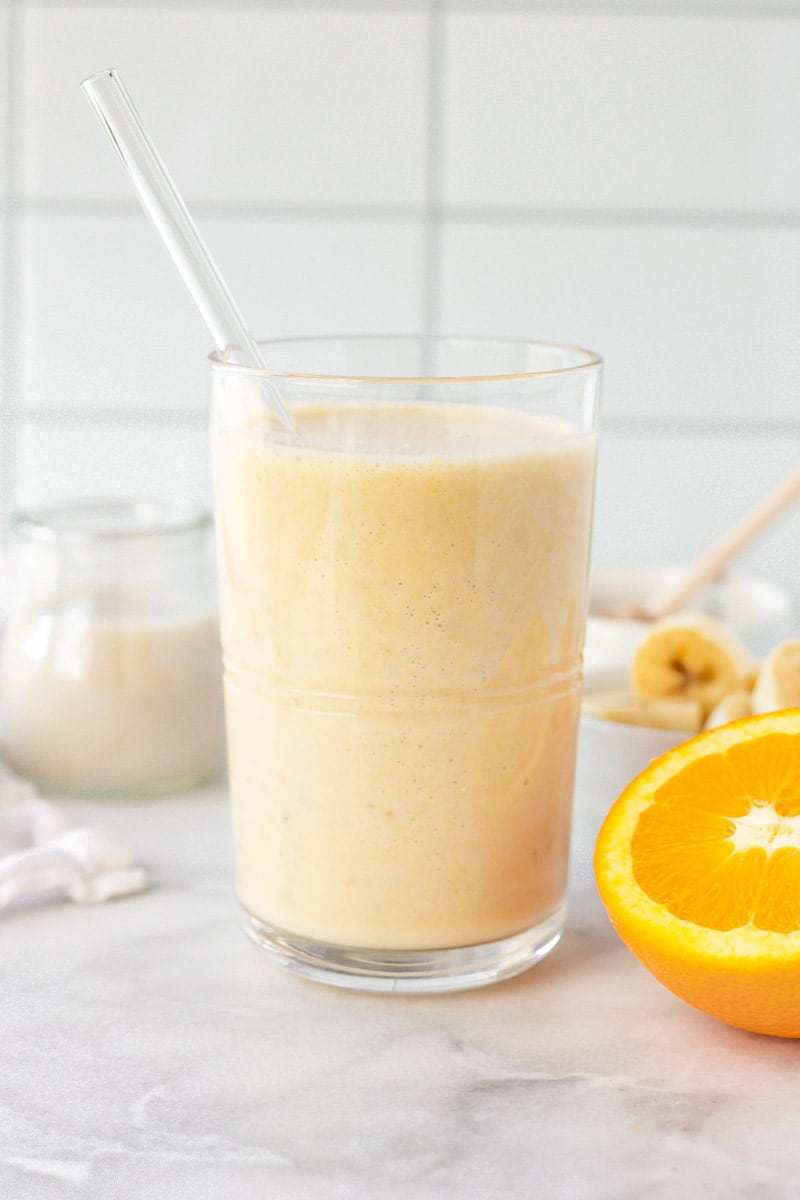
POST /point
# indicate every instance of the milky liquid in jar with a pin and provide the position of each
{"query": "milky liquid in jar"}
(110, 672)
(403, 592)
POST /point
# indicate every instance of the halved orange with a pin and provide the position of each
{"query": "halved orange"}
(698, 865)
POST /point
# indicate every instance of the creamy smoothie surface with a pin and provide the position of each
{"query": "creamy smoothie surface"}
(403, 600)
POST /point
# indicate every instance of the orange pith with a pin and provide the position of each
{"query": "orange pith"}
(698, 864)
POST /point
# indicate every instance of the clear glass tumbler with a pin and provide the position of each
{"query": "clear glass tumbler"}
(403, 581)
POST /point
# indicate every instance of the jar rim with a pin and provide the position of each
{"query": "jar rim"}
(109, 520)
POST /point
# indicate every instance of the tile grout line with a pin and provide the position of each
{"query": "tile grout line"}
(434, 213)
(721, 9)
(123, 208)
(305, 6)
(644, 217)
(109, 418)
(84, 208)
(619, 426)
(10, 333)
(748, 9)
(694, 429)
(432, 249)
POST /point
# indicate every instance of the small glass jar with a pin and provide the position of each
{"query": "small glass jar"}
(110, 666)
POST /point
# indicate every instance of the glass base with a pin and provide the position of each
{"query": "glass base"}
(408, 971)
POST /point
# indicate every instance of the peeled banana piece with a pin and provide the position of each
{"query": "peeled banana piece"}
(690, 656)
(730, 708)
(684, 715)
(778, 682)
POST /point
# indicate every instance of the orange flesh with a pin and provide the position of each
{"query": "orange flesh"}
(720, 844)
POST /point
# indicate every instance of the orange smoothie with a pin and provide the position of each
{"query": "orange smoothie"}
(402, 601)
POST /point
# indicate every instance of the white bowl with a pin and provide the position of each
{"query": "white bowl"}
(611, 754)
(758, 610)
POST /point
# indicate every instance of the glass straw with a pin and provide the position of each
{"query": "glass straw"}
(164, 206)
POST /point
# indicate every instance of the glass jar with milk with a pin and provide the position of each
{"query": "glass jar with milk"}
(110, 662)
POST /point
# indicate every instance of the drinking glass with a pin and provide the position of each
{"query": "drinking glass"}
(403, 582)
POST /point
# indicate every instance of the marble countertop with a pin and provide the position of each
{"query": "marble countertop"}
(150, 1050)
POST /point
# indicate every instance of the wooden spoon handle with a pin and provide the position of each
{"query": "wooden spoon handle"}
(711, 562)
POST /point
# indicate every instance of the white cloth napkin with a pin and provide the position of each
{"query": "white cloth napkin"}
(40, 853)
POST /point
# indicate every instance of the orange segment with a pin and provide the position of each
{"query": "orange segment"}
(777, 905)
(770, 768)
(698, 865)
(709, 783)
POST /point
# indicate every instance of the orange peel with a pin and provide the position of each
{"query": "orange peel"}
(698, 866)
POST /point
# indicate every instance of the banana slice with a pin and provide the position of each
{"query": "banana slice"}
(730, 708)
(778, 683)
(690, 656)
(684, 715)
(749, 682)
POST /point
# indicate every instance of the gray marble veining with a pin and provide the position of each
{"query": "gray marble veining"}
(150, 1051)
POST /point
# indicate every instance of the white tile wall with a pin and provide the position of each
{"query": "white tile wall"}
(693, 322)
(324, 276)
(88, 459)
(663, 498)
(6, 447)
(622, 173)
(632, 110)
(5, 374)
(627, 7)
(105, 321)
(246, 104)
(4, 89)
